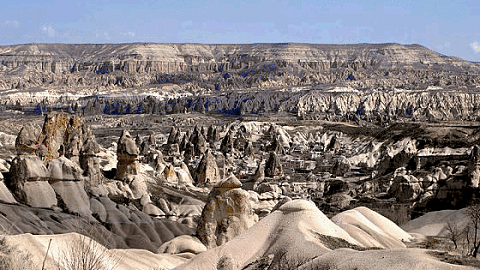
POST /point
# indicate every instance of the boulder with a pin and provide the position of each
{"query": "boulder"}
(138, 186)
(337, 186)
(26, 141)
(227, 214)
(63, 168)
(182, 244)
(405, 188)
(28, 168)
(39, 194)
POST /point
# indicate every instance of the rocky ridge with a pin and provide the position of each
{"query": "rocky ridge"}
(362, 81)
(226, 65)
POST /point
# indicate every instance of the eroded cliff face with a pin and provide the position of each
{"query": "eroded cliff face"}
(345, 82)
(229, 66)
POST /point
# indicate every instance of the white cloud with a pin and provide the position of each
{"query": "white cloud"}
(49, 30)
(14, 24)
(128, 34)
(475, 47)
(104, 35)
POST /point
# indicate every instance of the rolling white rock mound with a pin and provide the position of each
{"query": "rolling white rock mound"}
(395, 259)
(127, 259)
(433, 223)
(298, 230)
(371, 229)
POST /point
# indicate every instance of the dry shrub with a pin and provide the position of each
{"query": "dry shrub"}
(83, 252)
(11, 258)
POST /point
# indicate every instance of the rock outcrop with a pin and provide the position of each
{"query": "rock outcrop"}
(227, 65)
(74, 197)
(89, 161)
(24, 171)
(127, 153)
(56, 154)
(182, 244)
(474, 167)
(64, 169)
(199, 67)
(404, 187)
(26, 141)
(207, 172)
(273, 167)
(227, 214)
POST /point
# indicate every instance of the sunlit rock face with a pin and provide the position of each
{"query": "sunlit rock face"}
(207, 172)
(227, 214)
(127, 153)
(225, 65)
(355, 81)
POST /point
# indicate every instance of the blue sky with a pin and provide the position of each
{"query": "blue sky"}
(449, 27)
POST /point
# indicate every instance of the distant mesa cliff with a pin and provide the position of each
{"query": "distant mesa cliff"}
(373, 82)
(232, 66)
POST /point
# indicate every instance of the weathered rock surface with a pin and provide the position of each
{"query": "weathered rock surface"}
(128, 227)
(56, 133)
(227, 214)
(26, 141)
(73, 196)
(5, 194)
(181, 244)
(404, 187)
(89, 161)
(63, 168)
(207, 172)
(28, 168)
(474, 167)
(273, 167)
(39, 194)
(68, 65)
(127, 153)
